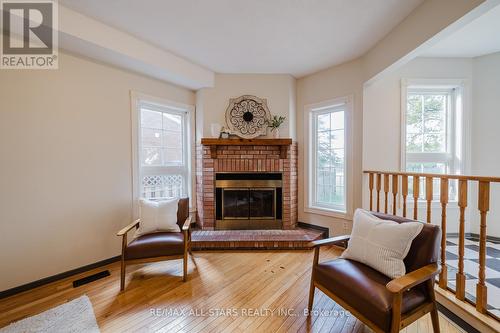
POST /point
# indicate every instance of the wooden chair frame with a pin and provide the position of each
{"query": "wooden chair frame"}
(396, 286)
(186, 230)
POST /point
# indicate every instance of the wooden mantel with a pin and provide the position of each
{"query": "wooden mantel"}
(213, 143)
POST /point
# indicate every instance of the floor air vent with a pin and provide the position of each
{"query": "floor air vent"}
(90, 278)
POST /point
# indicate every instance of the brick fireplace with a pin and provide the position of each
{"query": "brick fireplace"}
(247, 158)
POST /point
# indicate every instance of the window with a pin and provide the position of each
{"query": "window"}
(163, 154)
(327, 156)
(428, 131)
(432, 131)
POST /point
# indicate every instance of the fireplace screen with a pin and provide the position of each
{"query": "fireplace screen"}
(248, 203)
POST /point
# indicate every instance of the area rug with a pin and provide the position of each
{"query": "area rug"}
(75, 316)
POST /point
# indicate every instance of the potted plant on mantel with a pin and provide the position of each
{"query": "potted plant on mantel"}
(274, 124)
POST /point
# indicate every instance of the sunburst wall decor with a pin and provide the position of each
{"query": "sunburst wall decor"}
(247, 116)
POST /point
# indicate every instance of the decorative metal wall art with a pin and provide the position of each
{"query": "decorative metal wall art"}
(247, 116)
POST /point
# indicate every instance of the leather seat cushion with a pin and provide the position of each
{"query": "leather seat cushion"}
(155, 245)
(363, 288)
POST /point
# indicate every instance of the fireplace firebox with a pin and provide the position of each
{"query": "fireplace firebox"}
(248, 200)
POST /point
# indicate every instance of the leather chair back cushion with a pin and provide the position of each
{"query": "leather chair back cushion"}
(182, 211)
(424, 249)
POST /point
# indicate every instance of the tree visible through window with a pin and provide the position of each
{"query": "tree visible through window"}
(329, 171)
(426, 123)
(429, 137)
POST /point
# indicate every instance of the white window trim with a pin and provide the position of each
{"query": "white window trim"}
(135, 99)
(462, 123)
(309, 152)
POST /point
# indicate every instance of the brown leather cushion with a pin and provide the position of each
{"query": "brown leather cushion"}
(363, 288)
(155, 245)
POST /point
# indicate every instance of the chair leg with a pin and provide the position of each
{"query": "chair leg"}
(434, 312)
(184, 266)
(312, 289)
(122, 272)
(122, 276)
(435, 320)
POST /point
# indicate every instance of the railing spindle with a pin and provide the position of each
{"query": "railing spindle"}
(428, 197)
(443, 275)
(404, 192)
(462, 203)
(370, 186)
(484, 207)
(394, 193)
(379, 182)
(375, 182)
(386, 192)
(416, 195)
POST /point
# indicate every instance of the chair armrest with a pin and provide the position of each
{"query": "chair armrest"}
(128, 228)
(330, 241)
(412, 279)
(187, 223)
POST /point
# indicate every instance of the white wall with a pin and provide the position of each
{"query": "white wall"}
(278, 89)
(382, 121)
(339, 81)
(66, 179)
(486, 135)
(81, 34)
(382, 130)
(423, 27)
(382, 108)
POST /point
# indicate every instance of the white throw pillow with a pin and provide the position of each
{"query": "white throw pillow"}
(157, 216)
(381, 244)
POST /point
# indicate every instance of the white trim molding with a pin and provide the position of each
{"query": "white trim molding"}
(346, 104)
(458, 121)
(135, 102)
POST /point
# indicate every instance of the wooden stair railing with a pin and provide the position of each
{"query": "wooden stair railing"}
(375, 182)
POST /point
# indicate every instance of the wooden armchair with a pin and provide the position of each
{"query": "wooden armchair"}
(158, 246)
(383, 304)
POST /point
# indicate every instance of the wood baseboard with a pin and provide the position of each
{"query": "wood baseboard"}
(53, 278)
(466, 312)
(326, 231)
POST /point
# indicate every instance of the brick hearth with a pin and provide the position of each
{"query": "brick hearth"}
(254, 239)
(244, 158)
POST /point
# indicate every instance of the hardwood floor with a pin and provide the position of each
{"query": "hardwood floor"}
(225, 292)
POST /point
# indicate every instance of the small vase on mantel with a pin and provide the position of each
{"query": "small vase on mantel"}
(274, 123)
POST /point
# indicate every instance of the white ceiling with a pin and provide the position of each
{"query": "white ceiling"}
(298, 37)
(478, 38)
